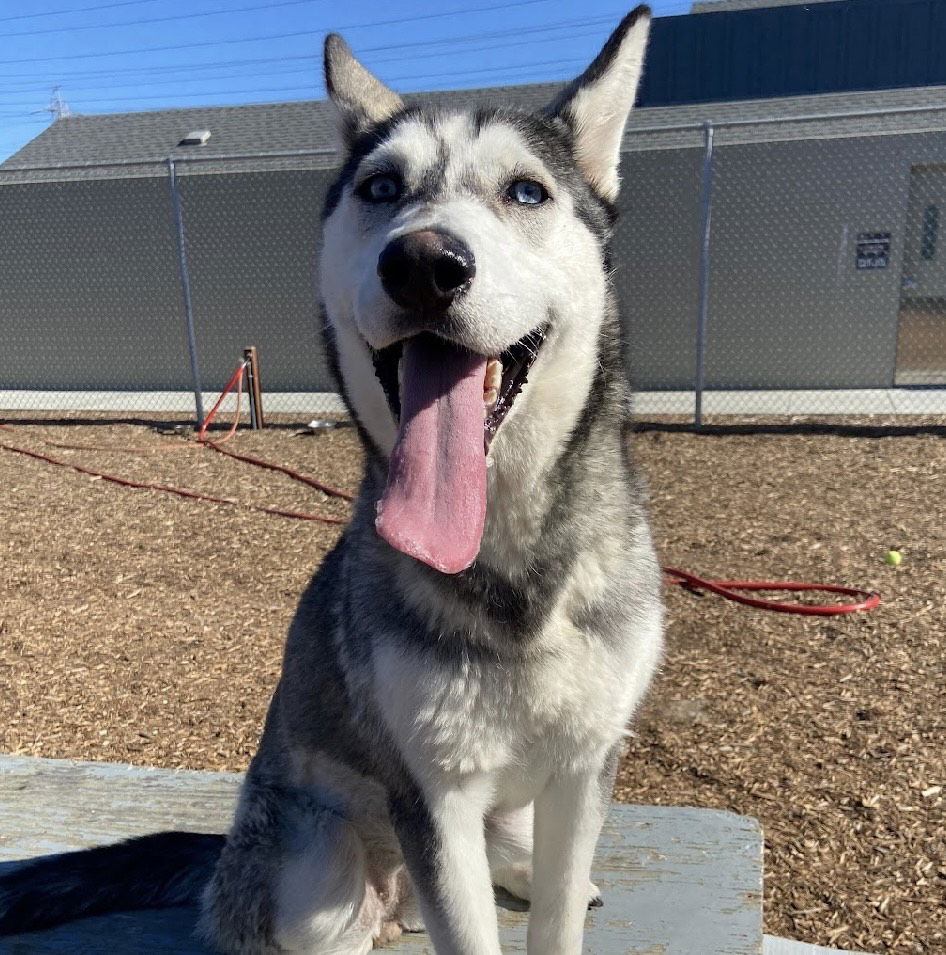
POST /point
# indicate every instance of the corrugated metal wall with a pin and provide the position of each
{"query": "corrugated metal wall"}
(252, 242)
(788, 308)
(92, 298)
(793, 50)
(91, 291)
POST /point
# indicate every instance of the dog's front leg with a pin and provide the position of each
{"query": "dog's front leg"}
(569, 813)
(443, 841)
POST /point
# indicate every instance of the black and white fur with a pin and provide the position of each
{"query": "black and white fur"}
(435, 734)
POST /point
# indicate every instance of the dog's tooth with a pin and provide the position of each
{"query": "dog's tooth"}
(494, 376)
(490, 397)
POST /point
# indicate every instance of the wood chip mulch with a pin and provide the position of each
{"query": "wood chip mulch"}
(141, 627)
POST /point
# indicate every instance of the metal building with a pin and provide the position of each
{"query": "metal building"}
(755, 49)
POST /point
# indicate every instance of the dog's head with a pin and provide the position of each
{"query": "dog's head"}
(464, 282)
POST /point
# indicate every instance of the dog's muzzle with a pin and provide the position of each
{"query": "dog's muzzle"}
(424, 271)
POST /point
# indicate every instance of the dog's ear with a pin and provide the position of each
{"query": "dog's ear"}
(597, 104)
(361, 99)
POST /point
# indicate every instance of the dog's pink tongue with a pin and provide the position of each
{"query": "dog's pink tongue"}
(434, 505)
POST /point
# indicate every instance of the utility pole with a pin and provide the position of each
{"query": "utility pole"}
(58, 107)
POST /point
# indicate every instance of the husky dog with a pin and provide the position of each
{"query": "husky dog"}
(460, 672)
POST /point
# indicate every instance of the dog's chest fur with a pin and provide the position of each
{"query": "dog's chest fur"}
(519, 723)
(556, 704)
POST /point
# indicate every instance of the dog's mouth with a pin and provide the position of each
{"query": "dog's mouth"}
(450, 403)
(502, 383)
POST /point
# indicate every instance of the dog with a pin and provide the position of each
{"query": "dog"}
(460, 673)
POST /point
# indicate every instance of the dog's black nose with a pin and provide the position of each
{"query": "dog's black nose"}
(424, 271)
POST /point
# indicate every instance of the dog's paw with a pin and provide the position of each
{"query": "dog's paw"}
(390, 931)
(408, 915)
(517, 881)
(413, 923)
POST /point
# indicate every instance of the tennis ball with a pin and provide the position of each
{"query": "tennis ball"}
(893, 557)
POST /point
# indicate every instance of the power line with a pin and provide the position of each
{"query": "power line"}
(584, 21)
(489, 71)
(183, 67)
(56, 13)
(282, 36)
(178, 96)
(311, 72)
(682, 6)
(161, 49)
(395, 53)
(180, 16)
(400, 48)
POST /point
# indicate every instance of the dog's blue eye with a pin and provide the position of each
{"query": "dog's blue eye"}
(380, 188)
(527, 192)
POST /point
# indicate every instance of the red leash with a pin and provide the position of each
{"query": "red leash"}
(724, 588)
(236, 379)
(728, 589)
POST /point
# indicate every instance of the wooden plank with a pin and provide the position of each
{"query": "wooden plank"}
(773, 945)
(674, 881)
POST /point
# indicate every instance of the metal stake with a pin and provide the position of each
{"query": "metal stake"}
(703, 308)
(186, 290)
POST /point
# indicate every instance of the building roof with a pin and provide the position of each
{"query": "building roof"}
(154, 135)
(778, 119)
(132, 144)
(121, 137)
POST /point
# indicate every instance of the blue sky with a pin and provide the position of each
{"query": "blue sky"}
(111, 56)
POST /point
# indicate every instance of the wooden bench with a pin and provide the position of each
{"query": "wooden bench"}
(674, 881)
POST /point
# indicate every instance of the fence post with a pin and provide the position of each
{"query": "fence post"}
(186, 291)
(254, 388)
(703, 307)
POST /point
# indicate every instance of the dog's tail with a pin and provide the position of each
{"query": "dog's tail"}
(155, 871)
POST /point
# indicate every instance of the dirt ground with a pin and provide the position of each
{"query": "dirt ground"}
(138, 626)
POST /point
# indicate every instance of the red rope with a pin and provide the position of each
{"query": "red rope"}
(728, 589)
(235, 379)
(282, 469)
(167, 489)
(674, 576)
(725, 588)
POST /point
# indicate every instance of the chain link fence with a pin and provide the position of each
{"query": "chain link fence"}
(787, 266)
(776, 266)
(136, 287)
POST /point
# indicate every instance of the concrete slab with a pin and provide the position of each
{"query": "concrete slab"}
(919, 401)
(848, 402)
(674, 881)
(170, 402)
(865, 401)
